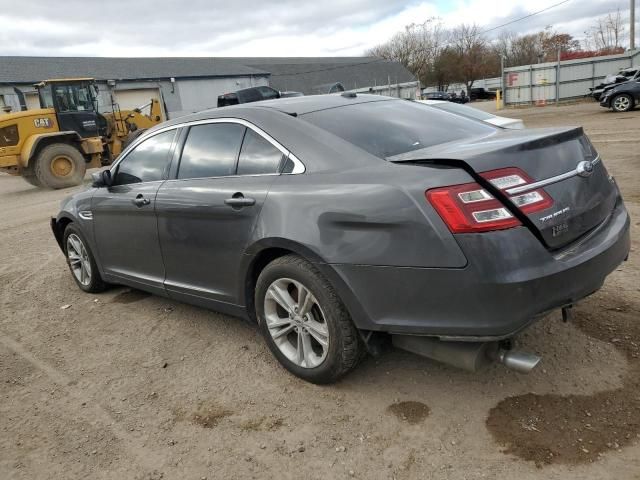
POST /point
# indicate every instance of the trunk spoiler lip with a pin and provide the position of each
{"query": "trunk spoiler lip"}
(500, 141)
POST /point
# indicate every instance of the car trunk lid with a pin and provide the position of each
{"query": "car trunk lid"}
(561, 162)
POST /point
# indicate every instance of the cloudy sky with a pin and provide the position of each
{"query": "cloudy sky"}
(258, 28)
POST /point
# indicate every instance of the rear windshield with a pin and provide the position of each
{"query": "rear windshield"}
(463, 110)
(388, 128)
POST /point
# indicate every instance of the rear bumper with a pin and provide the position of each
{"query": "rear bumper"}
(510, 281)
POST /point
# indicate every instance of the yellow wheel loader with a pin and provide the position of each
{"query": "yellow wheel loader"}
(53, 146)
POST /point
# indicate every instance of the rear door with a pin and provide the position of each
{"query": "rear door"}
(207, 213)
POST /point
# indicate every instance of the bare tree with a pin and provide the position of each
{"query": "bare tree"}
(475, 59)
(417, 47)
(607, 34)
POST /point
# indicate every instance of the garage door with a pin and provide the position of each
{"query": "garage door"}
(130, 99)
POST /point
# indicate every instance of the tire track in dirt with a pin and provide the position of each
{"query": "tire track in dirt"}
(145, 458)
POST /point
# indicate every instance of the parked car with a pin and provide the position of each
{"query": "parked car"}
(481, 93)
(341, 222)
(623, 97)
(437, 96)
(475, 113)
(610, 81)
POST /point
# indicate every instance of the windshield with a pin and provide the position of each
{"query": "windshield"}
(388, 128)
(462, 110)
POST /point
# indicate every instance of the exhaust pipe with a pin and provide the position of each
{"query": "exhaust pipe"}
(469, 356)
(522, 362)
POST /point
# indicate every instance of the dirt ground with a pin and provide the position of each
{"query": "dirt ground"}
(125, 385)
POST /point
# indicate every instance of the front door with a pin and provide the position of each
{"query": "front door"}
(124, 216)
(207, 214)
(75, 109)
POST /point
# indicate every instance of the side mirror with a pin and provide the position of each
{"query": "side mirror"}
(102, 179)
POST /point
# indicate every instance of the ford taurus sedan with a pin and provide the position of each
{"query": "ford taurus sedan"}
(344, 223)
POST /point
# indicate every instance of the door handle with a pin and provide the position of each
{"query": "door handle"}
(238, 201)
(140, 201)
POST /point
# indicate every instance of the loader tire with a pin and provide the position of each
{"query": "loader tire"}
(29, 175)
(60, 165)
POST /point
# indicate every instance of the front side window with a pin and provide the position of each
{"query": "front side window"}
(147, 162)
(258, 156)
(211, 150)
(72, 98)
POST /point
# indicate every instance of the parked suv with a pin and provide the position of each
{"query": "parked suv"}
(247, 95)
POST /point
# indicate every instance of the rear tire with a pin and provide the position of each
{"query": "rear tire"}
(81, 261)
(315, 340)
(622, 103)
(60, 165)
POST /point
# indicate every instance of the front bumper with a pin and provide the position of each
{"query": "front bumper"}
(605, 102)
(510, 281)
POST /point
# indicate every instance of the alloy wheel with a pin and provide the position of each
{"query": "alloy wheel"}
(296, 323)
(79, 259)
(621, 103)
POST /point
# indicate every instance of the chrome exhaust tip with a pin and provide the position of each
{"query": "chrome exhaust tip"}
(522, 362)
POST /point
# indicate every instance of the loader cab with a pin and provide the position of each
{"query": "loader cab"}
(75, 104)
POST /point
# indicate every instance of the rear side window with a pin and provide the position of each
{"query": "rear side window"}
(391, 127)
(147, 162)
(211, 150)
(258, 156)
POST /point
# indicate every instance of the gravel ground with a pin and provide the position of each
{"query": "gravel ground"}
(128, 385)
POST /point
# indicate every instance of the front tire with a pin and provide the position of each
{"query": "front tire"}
(60, 165)
(81, 261)
(305, 324)
(622, 103)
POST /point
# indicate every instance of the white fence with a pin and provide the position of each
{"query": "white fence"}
(541, 83)
(492, 84)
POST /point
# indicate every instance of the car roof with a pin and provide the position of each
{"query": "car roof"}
(293, 106)
(313, 103)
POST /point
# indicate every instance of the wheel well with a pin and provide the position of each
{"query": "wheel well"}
(261, 260)
(60, 226)
(46, 141)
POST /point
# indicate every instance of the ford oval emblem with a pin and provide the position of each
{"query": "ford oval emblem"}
(585, 168)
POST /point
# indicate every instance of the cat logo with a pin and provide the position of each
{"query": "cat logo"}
(42, 122)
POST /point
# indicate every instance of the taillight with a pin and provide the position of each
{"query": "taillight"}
(528, 202)
(469, 208)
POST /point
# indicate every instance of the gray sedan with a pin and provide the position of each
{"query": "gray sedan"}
(340, 224)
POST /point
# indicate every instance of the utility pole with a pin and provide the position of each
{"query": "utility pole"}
(558, 77)
(632, 25)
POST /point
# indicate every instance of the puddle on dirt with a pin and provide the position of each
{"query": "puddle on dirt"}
(130, 296)
(410, 412)
(572, 429)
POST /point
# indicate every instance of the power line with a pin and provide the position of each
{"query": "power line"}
(525, 17)
(449, 43)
